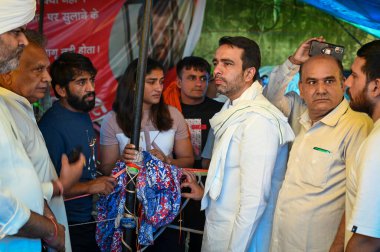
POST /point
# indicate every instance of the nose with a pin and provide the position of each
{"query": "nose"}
(217, 70)
(347, 82)
(22, 40)
(199, 81)
(46, 76)
(90, 86)
(321, 88)
(158, 86)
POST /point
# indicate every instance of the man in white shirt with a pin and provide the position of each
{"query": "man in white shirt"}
(363, 187)
(21, 221)
(249, 155)
(20, 88)
(310, 204)
(22, 224)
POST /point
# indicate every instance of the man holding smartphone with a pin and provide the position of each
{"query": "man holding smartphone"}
(311, 201)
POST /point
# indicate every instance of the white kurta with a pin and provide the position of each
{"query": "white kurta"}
(20, 189)
(254, 165)
(363, 187)
(34, 144)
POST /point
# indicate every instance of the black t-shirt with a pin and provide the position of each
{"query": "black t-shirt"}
(198, 118)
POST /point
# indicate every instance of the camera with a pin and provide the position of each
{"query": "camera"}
(318, 48)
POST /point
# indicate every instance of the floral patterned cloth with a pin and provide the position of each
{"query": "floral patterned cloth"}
(158, 190)
(109, 233)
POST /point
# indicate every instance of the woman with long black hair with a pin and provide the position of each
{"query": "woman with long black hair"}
(164, 131)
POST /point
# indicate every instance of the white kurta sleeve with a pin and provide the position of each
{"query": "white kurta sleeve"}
(279, 79)
(13, 215)
(47, 190)
(258, 147)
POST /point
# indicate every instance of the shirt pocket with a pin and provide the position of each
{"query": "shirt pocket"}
(317, 169)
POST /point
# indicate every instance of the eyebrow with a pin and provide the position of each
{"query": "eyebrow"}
(223, 60)
(83, 78)
(195, 75)
(324, 78)
(153, 79)
(38, 65)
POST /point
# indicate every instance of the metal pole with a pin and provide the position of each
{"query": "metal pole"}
(41, 19)
(129, 233)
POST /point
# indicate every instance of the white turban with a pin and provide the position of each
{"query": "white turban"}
(15, 13)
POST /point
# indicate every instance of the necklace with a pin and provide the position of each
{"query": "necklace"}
(91, 158)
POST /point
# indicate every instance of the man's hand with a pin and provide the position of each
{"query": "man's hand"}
(103, 185)
(196, 192)
(57, 239)
(70, 173)
(47, 211)
(302, 53)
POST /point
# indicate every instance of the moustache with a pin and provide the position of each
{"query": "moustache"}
(19, 50)
(219, 78)
(348, 93)
(91, 94)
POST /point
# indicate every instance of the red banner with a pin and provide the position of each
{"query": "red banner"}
(108, 33)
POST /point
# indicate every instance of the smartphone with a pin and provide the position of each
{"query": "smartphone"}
(317, 48)
(75, 154)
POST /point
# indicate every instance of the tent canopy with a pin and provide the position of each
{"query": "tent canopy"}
(364, 14)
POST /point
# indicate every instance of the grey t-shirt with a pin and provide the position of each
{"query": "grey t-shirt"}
(150, 137)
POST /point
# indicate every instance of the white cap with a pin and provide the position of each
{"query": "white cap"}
(15, 13)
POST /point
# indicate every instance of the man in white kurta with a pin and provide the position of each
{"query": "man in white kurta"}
(34, 144)
(25, 82)
(363, 187)
(20, 190)
(311, 201)
(22, 224)
(249, 155)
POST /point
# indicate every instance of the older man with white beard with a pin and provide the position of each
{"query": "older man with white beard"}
(22, 206)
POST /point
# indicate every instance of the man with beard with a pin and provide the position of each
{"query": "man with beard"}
(310, 204)
(249, 156)
(19, 89)
(363, 187)
(23, 219)
(67, 127)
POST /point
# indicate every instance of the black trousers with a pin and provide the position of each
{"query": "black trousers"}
(83, 238)
(171, 240)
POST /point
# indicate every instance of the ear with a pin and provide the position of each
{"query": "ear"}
(61, 91)
(179, 82)
(249, 74)
(300, 87)
(6, 79)
(342, 84)
(375, 88)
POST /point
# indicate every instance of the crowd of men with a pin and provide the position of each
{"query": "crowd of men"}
(288, 171)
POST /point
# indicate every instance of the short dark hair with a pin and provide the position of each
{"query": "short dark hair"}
(337, 61)
(36, 38)
(197, 63)
(159, 8)
(67, 67)
(251, 56)
(371, 53)
(124, 100)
